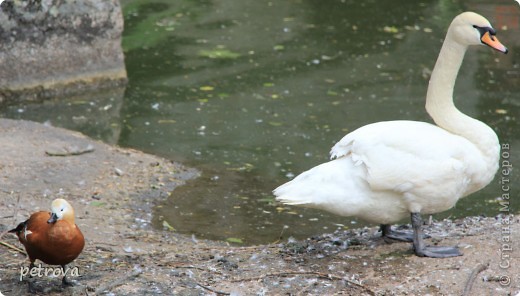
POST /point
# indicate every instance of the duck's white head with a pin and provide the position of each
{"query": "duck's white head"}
(469, 28)
(61, 210)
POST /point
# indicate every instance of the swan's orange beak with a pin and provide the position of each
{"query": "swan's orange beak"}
(493, 42)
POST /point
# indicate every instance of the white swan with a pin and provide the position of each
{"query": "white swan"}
(384, 171)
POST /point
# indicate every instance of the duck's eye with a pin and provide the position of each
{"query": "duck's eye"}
(62, 210)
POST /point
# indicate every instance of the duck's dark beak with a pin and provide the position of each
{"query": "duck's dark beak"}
(492, 41)
(53, 218)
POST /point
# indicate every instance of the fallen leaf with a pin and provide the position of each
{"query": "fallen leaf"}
(206, 88)
(219, 54)
(234, 240)
(167, 225)
(97, 203)
(166, 121)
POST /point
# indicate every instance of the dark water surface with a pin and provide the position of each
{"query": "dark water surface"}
(254, 92)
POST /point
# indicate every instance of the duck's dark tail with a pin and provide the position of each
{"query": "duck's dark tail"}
(19, 228)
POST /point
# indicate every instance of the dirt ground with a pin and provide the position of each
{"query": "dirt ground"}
(114, 190)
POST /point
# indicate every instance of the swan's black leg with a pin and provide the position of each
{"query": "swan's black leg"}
(428, 251)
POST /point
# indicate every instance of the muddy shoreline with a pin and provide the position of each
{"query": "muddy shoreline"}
(114, 190)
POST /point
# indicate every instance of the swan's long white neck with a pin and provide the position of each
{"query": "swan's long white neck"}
(440, 106)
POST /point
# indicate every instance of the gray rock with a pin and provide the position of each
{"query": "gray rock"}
(51, 48)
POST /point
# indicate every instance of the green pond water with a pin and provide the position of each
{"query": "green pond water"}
(252, 93)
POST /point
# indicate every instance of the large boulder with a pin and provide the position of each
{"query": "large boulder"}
(50, 48)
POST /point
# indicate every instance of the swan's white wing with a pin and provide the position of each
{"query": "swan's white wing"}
(416, 159)
(387, 169)
(331, 179)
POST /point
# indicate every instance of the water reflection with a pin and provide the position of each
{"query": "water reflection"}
(95, 114)
(254, 92)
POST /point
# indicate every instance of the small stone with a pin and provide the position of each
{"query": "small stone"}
(118, 172)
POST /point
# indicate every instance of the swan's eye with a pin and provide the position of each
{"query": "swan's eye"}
(484, 30)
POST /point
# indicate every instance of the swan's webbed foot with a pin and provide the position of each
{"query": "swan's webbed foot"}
(394, 235)
(388, 233)
(428, 251)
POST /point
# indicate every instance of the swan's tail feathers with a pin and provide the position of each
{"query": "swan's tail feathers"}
(304, 190)
(292, 201)
(325, 184)
(291, 193)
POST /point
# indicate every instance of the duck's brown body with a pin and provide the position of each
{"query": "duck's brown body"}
(52, 237)
(57, 243)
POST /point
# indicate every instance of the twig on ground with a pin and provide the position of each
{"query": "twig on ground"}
(70, 151)
(12, 247)
(281, 235)
(212, 290)
(188, 267)
(269, 246)
(469, 284)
